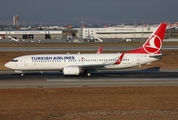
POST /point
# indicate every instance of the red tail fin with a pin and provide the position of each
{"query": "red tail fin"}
(154, 42)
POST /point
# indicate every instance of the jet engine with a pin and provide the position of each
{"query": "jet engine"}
(71, 70)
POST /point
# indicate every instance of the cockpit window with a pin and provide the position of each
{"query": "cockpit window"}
(14, 60)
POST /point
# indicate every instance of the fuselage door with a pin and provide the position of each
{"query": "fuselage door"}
(138, 59)
(26, 61)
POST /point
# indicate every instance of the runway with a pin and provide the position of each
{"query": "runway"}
(49, 79)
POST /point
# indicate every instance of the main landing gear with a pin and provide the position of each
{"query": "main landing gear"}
(87, 73)
(22, 74)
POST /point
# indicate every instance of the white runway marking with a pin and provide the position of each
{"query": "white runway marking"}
(116, 80)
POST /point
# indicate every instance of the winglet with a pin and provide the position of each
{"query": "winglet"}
(119, 59)
(99, 50)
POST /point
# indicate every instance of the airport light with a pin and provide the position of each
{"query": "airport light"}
(134, 27)
(169, 28)
(142, 30)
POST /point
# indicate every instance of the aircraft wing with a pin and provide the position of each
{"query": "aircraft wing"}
(94, 66)
(90, 67)
(98, 66)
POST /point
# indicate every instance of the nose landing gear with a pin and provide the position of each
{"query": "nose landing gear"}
(22, 74)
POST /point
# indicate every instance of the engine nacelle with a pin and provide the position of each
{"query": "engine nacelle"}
(71, 70)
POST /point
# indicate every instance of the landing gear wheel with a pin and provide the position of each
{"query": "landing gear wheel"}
(88, 74)
(22, 74)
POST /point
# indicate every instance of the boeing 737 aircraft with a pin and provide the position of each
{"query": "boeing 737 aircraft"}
(75, 64)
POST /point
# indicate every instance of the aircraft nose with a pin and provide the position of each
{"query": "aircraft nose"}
(8, 65)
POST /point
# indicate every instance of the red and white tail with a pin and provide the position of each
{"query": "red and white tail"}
(154, 42)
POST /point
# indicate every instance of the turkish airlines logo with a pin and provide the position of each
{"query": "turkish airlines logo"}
(153, 45)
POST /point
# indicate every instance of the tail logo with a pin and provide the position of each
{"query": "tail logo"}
(153, 45)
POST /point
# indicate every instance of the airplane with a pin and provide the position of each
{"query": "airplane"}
(25, 28)
(76, 64)
(13, 39)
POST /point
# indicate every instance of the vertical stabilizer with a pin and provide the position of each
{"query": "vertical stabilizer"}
(154, 42)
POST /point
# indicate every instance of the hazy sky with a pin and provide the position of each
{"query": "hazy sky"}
(89, 11)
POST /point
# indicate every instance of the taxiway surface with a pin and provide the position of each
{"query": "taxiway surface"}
(74, 48)
(49, 79)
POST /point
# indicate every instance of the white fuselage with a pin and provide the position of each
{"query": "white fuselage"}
(95, 61)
